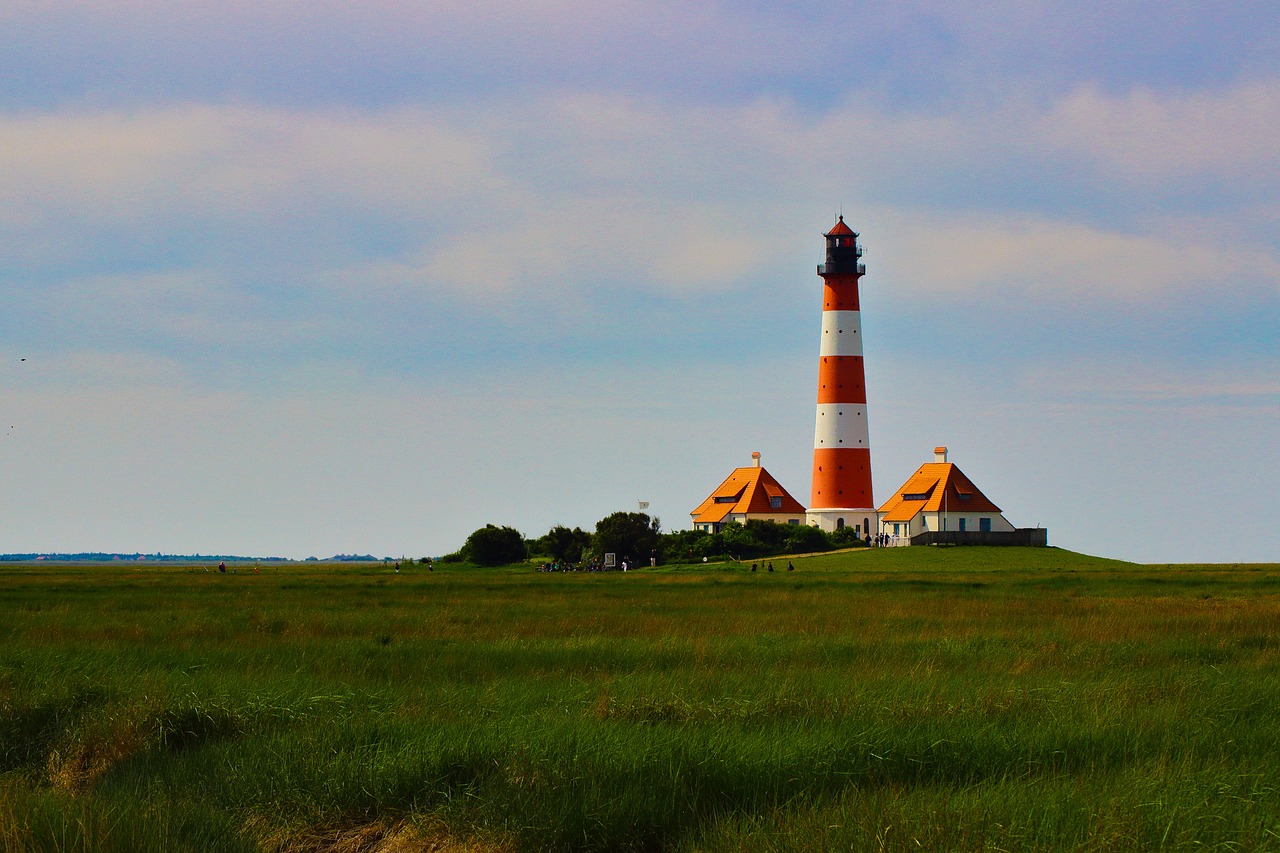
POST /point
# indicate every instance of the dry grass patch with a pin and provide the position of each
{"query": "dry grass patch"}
(375, 836)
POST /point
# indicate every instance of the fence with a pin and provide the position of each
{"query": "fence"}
(1026, 536)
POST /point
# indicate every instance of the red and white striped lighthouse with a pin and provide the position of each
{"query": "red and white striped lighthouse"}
(841, 495)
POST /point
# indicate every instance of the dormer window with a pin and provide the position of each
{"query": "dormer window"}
(775, 503)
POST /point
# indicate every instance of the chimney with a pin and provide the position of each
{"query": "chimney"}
(939, 454)
(755, 457)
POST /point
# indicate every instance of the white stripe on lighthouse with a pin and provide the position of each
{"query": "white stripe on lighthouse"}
(841, 425)
(841, 333)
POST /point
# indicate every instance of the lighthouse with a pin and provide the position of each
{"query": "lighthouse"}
(841, 493)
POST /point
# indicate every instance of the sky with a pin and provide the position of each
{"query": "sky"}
(300, 278)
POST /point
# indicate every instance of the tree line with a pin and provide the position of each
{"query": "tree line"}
(637, 536)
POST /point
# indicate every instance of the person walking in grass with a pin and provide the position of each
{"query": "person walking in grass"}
(790, 567)
(771, 565)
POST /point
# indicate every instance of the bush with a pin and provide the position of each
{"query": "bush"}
(494, 546)
(804, 538)
(628, 534)
(562, 544)
(749, 541)
(843, 537)
(682, 546)
(741, 542)
(771, 535)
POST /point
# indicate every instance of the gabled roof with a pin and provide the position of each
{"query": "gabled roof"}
(841, 229)
(746, 490)
(935, 487)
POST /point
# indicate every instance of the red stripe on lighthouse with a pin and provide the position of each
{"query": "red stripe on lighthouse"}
(841, 379)
(840, 295)
(841, 478)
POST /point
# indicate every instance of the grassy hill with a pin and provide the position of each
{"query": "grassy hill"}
(898, 699)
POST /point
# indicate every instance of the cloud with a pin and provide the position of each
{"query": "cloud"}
(589, 243)
(294, 53)
(1145, 136)
(228, 160)
(325, 229)
(1045, 261)
(1241, 386)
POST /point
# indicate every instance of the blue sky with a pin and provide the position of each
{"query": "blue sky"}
(303, 278)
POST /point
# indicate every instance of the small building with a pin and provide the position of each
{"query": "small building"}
(938, 497)
(747, 494)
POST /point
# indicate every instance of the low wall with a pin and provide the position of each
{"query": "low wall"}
(1025, 536)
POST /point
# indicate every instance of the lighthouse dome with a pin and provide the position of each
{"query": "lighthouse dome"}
(841, 230)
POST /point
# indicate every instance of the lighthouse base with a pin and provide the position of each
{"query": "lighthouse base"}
(863, 520)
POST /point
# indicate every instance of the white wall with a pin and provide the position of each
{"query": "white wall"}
(827, 519)
(933, 521)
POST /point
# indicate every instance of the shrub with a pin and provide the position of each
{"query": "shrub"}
(679, 546)
(771, 535)
(804, 538)
(844, 537)
(562, 544)
(494, 546)
(627, 534)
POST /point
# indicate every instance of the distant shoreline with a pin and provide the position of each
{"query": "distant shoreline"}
(110, 557)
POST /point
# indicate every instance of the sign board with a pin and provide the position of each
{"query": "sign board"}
(610, 560)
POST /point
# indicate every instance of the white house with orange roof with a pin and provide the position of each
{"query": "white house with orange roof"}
(939, 497)
(747, 494)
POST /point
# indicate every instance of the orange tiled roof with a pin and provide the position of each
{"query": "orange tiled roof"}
(750, 490)
(935, 487)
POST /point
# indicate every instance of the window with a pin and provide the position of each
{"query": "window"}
(728, 500)
(775, 503)
(794, 521)
(895, 528)
(962, 525)
(915, 496)
(839, 523)
(984, 525)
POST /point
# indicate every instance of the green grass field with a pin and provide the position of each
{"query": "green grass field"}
(901, 699)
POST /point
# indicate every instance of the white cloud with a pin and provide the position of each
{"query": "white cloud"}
(136, 166)
(178, 226)
(595, 244)
(1251, 386)
(1049, 261)
(1144, 136)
